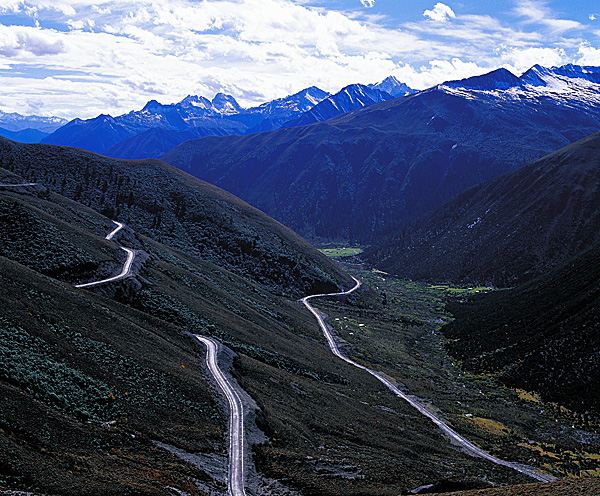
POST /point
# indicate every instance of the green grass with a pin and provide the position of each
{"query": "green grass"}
(457, 290)
(341, 252)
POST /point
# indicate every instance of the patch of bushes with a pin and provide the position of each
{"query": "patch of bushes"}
(39, 245)
(27, 362)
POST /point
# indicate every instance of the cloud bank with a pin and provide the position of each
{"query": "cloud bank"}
(86, 57)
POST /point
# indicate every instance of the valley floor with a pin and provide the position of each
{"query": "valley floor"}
(394, 327)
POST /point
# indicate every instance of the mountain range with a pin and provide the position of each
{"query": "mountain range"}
(366, 173)
(28, 129)
(348, 99)
(11, 121)
(157, 128)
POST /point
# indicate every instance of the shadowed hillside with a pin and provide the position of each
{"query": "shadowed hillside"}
(541, 336)
(156, 199)
(509, 229)
(92, 378)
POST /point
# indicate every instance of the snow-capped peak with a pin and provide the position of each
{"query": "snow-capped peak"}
(225, 104)
(394, 87)
(195, 101)
(294, 104)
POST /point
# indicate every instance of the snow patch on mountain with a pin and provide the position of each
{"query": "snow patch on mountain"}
(569, 85)
(225, 104)
(293, 104)
(12, 121)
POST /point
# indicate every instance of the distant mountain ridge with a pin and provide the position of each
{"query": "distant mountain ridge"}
(136, 134)
(280, 111)
(569, 85)
(347, 99)
(24, 136)
(14, 122)
(194, 117)
(352, 97)
(105, 131)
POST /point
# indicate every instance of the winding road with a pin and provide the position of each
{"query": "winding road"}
(236, 476)
(235, 480)
(467, 445)
(126, 271)
(17, 185)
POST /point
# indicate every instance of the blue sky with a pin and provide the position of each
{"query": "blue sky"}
(85, 57)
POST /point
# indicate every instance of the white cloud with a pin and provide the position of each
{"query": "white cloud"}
(520, 60)
(14, 40)
(537, 12)
(588, 55)
(441, 12)
(368, 3)
(593, 17)
(437, 71)
(101, 10)
(81, 23)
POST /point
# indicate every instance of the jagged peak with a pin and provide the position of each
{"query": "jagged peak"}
(393, 86)
(152, 106)
(225, 103)
(534, 76)
(104, 117)
(313, 91)
(540, 76)
(195, 101)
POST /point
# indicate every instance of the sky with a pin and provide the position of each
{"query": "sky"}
(83, 58)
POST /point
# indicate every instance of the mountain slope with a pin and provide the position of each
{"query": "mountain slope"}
(85, 373)
(366, 173)
(111, 370)
(542, 336)
(156, 142)
(24, 136)
(188, 214)
(509, 229)
(92, 134)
